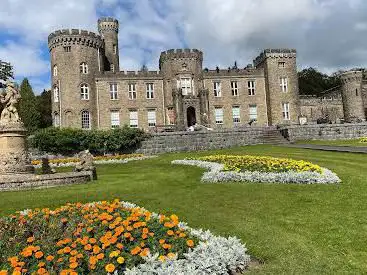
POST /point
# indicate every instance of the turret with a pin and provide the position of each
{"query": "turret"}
(108, 28)
(75, 59)
(282, 95)
(352, 96)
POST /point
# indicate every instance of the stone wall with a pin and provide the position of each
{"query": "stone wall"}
(325, 131)
(194, 141)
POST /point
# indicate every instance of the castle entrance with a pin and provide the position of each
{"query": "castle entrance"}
(191, 116)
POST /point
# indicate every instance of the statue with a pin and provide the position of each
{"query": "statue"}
(10, 98)
(46, 168)
(86, 163)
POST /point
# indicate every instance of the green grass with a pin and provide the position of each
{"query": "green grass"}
(343, 142)
(294, 229)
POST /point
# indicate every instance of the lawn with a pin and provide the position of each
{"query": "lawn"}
(345, 142)
(293, 229)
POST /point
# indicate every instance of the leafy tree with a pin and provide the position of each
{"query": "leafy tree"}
(28, 107)
(6, 72)
(313, 82)
(44, 108)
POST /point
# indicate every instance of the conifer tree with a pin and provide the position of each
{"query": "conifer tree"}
(44, 108)
(27, 108)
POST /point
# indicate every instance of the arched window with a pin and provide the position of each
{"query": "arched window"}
(56, 120)
(55, 70)
(83, 68)
(85, 120)
(84, 92)
(56, 94)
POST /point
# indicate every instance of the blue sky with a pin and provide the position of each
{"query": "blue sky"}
(328, 34)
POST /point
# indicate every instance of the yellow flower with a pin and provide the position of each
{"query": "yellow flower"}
(110, 268)
(120, 260)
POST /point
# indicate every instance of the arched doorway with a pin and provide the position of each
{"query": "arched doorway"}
(191, 116)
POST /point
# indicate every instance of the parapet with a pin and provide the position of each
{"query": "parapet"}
(108, 24)
(352, 75)
(247, 72)
(275, 53)
(181, 53)
(68, 37)
(136, 75)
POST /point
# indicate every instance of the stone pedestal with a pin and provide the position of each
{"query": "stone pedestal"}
(14, 158)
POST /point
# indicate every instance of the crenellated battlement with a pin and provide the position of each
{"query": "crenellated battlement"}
(181, 54)
(67, 37)
(132, 75)
(275, 53)
(247, 72)
(352, 75)
(106, 24)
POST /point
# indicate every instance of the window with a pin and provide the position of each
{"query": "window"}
(67, 49)
(115, 119)
(236, 114)
(83, 68)
(251, 87)
(115, 49)
(55, 70)
(56, 94)
(150, 90)
(85, 120)
(113, 91)
(219, 115)
(217, 91)
(286, 111)
(84, 92)
(281, 64)
(253, 112)
(132, 91)
(185, 85)
(56, 120)
(284, 84)
(151, 118)
(112, 68)
(234, 88)
(133, 119)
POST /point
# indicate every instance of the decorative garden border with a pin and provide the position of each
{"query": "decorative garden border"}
(215, 174)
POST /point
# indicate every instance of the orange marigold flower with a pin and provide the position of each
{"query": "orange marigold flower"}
(79, 256)
(42, 271)
(88, 247)
(67, 249)
(100, 256)
(161, 241)
(127, 235)
(167, 246)
(182, 235)
(92, 240)
(41, 264)
(120, 260)
(170, 233)
(93, 260)
(190, 243)
(73, 252)
(30, 240)
(171, 255)
(145, 230)
(17, 272)
(96, 249)
(73, 265)
(39, 254)
(49, 258)
(64, 220)
(135, 250)
(3, 272)
(72, 259)
(144, 236)
(110, 268)
(119, 245)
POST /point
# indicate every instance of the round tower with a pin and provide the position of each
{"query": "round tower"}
(108, 28)
(75, 59)
(352, 96)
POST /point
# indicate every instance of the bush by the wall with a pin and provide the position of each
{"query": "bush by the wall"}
(67, 141)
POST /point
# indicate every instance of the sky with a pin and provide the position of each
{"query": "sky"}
(328, 34)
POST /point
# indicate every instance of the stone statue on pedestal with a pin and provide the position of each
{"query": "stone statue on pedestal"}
(10, 98)
(86, 163)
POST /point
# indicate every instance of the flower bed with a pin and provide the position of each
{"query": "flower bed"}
(260, 169)
(66, 162)
(112, 237)
(363, 140)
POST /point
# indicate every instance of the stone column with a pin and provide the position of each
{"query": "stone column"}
(14, 158)
(204, 111)
(178, 106)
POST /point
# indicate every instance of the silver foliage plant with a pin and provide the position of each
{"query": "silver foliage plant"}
(215, 174)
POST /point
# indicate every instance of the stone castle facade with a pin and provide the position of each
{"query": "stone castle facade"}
(91, 92)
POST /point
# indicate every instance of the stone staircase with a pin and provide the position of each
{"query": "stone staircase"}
(273, 136)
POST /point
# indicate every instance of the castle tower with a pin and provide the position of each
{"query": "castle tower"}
(352, 96)
(75, 59)
(108, 28)
(281, 82)
(183, 84)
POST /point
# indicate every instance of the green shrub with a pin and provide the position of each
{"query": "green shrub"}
(67, 141)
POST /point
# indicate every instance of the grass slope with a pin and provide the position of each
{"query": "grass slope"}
(294, 229)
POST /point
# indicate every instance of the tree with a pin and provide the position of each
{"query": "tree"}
(313, 82)
(6, 72)
(44, 108)
(27, 108)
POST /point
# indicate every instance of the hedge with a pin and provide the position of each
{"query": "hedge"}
(67, 141)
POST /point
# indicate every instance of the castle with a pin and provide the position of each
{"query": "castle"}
(90, 92)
